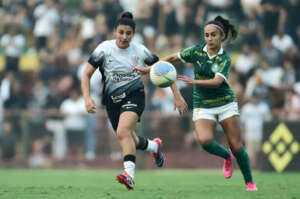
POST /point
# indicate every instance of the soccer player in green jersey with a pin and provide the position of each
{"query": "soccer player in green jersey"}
(213, 99)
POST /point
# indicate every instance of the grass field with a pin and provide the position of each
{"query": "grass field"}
(150, 184)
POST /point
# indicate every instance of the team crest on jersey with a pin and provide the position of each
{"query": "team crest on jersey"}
(218, 58)
(214, 68)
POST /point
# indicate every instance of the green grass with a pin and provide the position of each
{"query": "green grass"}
(150, 184)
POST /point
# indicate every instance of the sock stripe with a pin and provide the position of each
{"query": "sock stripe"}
(129, 157)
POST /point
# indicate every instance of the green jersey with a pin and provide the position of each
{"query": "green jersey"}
(206, 67)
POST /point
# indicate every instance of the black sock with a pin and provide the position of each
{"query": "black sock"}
(129, 158)
(143, 143)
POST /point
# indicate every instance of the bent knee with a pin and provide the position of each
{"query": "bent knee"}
(123, 134)
(204, 141)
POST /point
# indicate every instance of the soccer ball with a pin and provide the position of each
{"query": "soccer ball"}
(163, 74)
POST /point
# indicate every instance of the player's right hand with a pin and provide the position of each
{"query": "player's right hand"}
(141, 70)
(90, 105)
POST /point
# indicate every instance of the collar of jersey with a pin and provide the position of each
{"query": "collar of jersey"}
(210, 57)
(121, 49)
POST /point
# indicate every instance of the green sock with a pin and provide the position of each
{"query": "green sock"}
(244, 164)
(217, 149)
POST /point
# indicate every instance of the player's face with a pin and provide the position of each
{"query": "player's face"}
(124, 35)
(213, 37)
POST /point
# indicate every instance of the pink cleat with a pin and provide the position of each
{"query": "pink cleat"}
(251, 186)
(227, 167)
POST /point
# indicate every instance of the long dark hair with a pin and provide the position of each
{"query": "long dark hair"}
(226, 26)
(126, 18)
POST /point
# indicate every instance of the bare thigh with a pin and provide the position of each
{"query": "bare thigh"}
(232, 130)
(127, 122)
(205, 130)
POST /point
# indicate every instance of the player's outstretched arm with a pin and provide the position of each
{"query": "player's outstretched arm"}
(145, 70)
(90, 105)
(171, 58)
(179, 102)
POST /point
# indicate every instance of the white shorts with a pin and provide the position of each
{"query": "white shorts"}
(218, 113)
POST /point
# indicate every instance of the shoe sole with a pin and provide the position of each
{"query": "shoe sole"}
(122, 180)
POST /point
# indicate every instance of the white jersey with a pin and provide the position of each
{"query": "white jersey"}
(116, 66)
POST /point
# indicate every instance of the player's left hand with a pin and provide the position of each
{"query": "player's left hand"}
(141, 70)
(185, 79)
(180, 104)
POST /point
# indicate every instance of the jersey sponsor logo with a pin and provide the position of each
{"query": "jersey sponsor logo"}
(217, 101)
(185, 54)
(123, 77)
(201, 77)
(199, 53)
(129, 105)
(118, 98)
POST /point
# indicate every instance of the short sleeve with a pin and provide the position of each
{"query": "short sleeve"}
(97, 57)
(223, 68)
(147, 56)
(150, 58)
(187, 54)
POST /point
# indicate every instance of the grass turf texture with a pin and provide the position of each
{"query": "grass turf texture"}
(152, 184)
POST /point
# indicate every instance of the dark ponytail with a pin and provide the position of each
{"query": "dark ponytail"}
(126, 18)
(226, 26)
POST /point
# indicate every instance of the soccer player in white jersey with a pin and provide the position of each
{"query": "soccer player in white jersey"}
(123, 93)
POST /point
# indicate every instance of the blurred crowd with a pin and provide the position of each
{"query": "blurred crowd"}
(61, 34)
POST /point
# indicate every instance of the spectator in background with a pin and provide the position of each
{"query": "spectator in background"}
(49, 60)
(40, 155)
(282, 41)
(8, 144)
(289, 75)
(291, 109)
(253, 115)
(291, 10)
(73, 111)
(251, 5)
(87, 24)
(13, 43)
(251, 30)
(15, 105)
(245, 63)
(5, 90)
(171, 25)
(271, 16)
(90, 133)
(54, 121)
(47, 17)
(270, 76)
(112, 8)
(271, 54)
